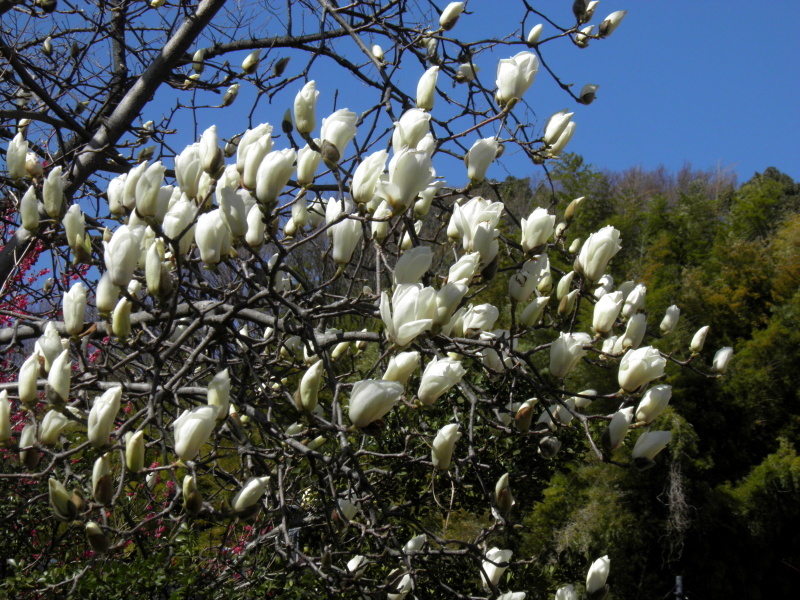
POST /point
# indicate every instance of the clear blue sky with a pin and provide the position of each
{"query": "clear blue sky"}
(708, 82)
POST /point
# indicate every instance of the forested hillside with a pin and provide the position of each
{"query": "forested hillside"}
(723, 511)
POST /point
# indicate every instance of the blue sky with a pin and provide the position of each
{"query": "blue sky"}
(712, 83)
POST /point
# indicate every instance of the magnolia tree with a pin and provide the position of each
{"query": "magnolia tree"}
(268, 359)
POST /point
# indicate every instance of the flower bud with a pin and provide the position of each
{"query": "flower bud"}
(639, 367)
(653, 403)
(219, 393)
(250, 63)
(97, 539)
(59, 378)
(134, 451)
(16, 154)
(479, 157)
(370, 400)
(670, 320)
(53, 193)
(722, 358)
(121, 319)
(192, 500)
(29, 210)
(426, 88)
(439, 377)
(101, 417)
(617, 428)
(503, 498)
(307, 395)
(102, 483)
(514, 76)
(28, 376)
(192, 429)
(74, 308)
(449, 16)
(611, 22)
(699, 340)
(534, 34)
(598, 574)
(60, 502)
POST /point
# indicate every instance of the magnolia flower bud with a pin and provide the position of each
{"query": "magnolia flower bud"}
(412, 265)
(537, 229)
(304, 108)
(74, 308)
(653, 403)
(588, 93)
(582, 38)
(250, 63)
(611, 22)
(59, 378)
(556, 125)
(503, 498)
(248, 497)
(722, 358)
(598, 249)
(28, 376)
(192, 429)
(670, 320)
(365, 178)
(27, 439)
(649, 444)
(534, 34)
(377, 52)
(401, 366)
(699, 340)
(479, 157)
(338, 129)
(443, 445)
(308, 394)
(345, 237)
(33, 167)
(212, 237)
(466, 72)
(495, 565)
(514, 76)
(192, 499)
(134, 451)
(5, 418)
(102, 483)
(60, 502)
(411, 129)
(148, 188)
(598, 573)
(439, 377)
(566, 352)
(15, 156)
(370, 400)
(211, 159)
(634, 302)
(53, 425)
(101, 417)
(273, 174)
(524, 415)
(426, 88)
(97, 539)
(219, 393)
(639, 367)
(122, 254)
(566, 593)
(564, 285)
(256, 227)
(307, 164)
(480, 318)
(533, 312)
(564, 139)
(230, 95)
(606, 312)
(121, 319)
(617, 428)
(53, 193)
(449, 16)
(29, 210)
